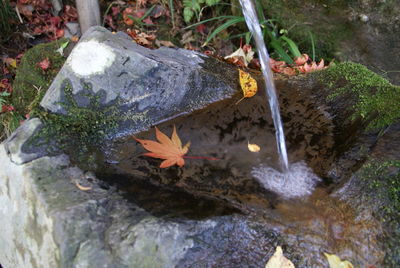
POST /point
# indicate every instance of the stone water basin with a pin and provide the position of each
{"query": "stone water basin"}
(207, 189)
(205, 214)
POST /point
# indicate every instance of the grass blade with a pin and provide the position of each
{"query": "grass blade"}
(292, 46)
(207, 20)
(281, 52)
(312, 45)
(172, 10)
(223, 27)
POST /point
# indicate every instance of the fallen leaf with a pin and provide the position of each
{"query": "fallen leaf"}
(169, 149)
(164, 43)
(288, 71)
(248, 85)
(308, 68)
(187, 38)
(201, 28)
(245, 54)
(11, 62)
(82, 188)
(125, 15)
(335, 262)
(277, 66)
(75, 38)
(115, 10)
(44, 64)
(141, 3)
(278, 260)
(301, 60)
(253, 147)
(70, 13)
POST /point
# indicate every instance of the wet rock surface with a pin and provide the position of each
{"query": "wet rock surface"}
(210, 213)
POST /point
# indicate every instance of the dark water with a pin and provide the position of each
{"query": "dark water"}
(222, 130)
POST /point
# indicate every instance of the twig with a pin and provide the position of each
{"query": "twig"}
(19, 15)
(200, 157)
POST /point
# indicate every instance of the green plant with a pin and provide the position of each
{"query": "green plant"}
(2, 99)
(277, 39)
(195, 7)
(6, 14)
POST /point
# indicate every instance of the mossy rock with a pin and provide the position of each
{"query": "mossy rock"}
(31, 82)
(376, 100)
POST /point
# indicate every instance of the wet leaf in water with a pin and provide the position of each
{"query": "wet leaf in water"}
(336, 262)
(253, 147)
(169, 149)
(82, 188)
(248, 85)
(278, 260)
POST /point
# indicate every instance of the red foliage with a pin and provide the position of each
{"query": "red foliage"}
(44, 64)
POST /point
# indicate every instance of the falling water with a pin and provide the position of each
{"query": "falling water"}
(254, 27)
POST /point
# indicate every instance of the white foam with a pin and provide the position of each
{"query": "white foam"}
(297, 182)
(90, 57)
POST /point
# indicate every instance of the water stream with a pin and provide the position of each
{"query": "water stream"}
(253, 24)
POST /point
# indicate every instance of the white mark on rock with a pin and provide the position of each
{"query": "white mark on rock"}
(90, 57)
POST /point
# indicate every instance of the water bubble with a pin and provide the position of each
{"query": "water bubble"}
(298, 181)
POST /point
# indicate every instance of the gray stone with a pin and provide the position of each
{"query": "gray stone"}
(72, 29)
(115, 68)
(15, 143)
(49, 222)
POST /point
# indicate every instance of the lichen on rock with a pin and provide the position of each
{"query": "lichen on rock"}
(90, 57)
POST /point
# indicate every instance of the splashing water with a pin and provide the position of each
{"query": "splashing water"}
(298, 181)
(255, 28)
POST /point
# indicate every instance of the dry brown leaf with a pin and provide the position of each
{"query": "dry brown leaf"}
(164, 43)
(248, 85)
(245, 55)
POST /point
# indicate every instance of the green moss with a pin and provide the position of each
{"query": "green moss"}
(382, 179)
(83, 127)
(30, 84)
(30, 77)
(377, 100)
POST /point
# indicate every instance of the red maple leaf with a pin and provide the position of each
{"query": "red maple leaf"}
(169, 149)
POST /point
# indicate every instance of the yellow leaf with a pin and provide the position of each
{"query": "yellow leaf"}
(278, 260)
(82, 188)
(11, 62)
(336, 262)
(253, 147)
(248, 85)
